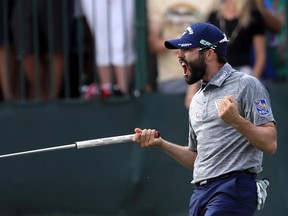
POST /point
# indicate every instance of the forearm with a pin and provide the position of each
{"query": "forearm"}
(263, 137)
(260, 56)
(273, 23)
(258, 66)
(182, 154)
(157, 45)
(146, 138)
(156, 41)
(258, 70)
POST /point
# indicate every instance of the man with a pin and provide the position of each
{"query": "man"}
(231, 125)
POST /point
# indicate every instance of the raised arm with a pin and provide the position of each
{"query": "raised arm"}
(263, 137)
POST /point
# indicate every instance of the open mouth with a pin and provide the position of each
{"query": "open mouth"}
(185, 68)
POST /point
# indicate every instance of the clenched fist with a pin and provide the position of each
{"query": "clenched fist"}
(228, 110)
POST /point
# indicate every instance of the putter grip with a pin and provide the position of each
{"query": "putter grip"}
(108, 141)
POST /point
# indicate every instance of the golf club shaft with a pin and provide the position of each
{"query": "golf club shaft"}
(39, 150)
(81, 144)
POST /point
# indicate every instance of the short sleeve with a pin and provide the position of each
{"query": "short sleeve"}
(258, 25)
(255, 101)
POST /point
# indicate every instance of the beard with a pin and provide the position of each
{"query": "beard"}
(197, 70)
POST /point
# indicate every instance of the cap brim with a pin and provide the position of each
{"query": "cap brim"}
(172, 44)
(178, 44)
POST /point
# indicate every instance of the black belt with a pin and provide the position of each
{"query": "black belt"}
(244, 173)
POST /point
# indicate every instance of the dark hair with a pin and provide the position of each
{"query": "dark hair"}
(221, 59)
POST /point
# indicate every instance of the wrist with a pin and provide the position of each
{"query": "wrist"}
(239, 123)
(159, 142)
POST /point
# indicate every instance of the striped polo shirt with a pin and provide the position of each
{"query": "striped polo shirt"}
(220, 147)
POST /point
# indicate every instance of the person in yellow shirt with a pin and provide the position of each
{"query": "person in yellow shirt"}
(167, 19)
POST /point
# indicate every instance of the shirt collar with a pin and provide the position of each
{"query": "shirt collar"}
(221, 75)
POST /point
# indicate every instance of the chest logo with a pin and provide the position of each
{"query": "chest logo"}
(218, 102)
(197, 115)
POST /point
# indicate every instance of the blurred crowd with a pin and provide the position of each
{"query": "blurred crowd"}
(53, 49)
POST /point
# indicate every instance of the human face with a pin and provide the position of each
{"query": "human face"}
(193, 64)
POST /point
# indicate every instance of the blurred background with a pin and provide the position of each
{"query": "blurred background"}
(74, 70)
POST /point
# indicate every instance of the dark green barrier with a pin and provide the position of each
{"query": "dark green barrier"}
(119, 179)
(276, 166)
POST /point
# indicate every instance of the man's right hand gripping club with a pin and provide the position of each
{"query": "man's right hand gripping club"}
(147, 137)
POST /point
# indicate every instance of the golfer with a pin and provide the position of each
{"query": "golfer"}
(230, 126)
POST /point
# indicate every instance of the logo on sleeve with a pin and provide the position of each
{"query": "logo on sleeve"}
(261, 107)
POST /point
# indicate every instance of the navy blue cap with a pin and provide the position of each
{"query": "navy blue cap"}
(202, 35)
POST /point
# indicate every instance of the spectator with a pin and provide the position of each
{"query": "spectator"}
(112, 25)
(81, 55)
(275, 18)
(273, 26)
(245, 28)
(7, 55)
(166, 20)
(273, 23)
(40, 47)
